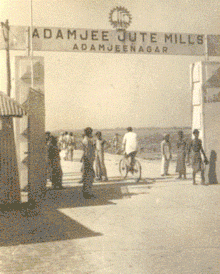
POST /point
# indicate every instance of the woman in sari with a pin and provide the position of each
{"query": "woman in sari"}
(54, 160)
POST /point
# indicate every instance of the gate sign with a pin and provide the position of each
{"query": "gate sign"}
(111, 41)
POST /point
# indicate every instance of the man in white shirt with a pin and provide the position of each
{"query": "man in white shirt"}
(61, 144)
(129, 146)
(166, 155)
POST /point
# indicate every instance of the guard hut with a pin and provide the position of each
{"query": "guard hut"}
(9, 177)
(205, 87)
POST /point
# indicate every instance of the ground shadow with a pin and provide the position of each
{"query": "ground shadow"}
(28, 227)
(212, 168)
(72, 196)
(45, 223)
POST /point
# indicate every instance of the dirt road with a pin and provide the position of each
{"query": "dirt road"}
(159, 225)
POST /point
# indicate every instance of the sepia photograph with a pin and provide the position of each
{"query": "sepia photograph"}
(110, 136)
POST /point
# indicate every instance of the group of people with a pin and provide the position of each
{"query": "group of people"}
(93, 152)
(183, 151)
(67, 142)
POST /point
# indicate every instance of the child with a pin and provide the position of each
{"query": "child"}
(196, 149)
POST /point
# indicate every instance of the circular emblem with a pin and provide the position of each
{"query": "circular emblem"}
(120, 18)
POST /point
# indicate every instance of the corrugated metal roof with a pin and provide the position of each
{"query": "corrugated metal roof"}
(9, 107)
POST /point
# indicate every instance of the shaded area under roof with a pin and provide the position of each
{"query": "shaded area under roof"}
(214, 80)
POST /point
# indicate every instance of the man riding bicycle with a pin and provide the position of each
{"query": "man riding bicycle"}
(129, 146)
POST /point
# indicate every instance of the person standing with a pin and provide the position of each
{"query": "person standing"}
(166, 155)
(181, 155)
(72, 146)
(56, 170)
(61, 143)
(66, 142)
(88, 173)
(48, 162)
(196, 149)
(129, 146)
(99, 157)
(116, 143)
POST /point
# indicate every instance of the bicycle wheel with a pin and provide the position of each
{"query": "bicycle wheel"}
(123, 169)
(137, 171)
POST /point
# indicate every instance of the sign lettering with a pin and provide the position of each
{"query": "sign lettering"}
(112, 41)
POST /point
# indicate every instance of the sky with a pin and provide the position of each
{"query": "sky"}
(115, 90)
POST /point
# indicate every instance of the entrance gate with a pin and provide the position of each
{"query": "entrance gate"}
(205, 77)
(81, 40)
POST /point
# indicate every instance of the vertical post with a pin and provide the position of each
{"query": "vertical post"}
(28, 41)
(192, 87)
(204, 70)
(8, 61)
(204, 67)
(10, 159)
(5, 29)
(206, 48)
(203, 89)
(30, 194)
(31, 46)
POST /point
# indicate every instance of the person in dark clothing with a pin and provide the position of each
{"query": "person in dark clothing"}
(54, 161)
(196, 148)
(88, 173)
(48, 141)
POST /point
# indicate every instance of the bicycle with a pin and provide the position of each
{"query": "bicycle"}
(125, 168)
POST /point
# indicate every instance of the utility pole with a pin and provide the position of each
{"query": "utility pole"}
(6, 31)
(9, 164)
(206, 48)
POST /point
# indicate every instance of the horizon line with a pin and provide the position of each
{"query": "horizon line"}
(120, 128)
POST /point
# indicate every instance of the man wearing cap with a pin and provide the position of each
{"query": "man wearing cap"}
(129, 146)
